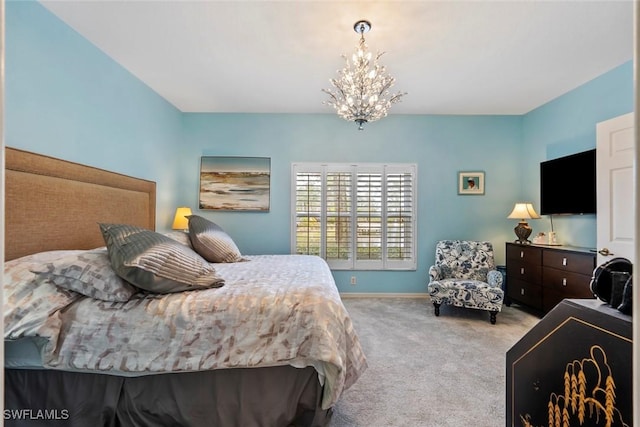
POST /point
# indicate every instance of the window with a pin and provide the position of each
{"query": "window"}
(359, 217)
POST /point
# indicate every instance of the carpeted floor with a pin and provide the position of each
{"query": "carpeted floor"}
(427, 371)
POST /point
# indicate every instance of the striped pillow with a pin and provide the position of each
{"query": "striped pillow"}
(180, 237)
(211, 241)
(156, 263)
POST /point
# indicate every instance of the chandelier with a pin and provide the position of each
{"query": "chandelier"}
(361, 92)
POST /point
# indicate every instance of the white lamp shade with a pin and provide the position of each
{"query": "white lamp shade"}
(180, 221)
(523, 211)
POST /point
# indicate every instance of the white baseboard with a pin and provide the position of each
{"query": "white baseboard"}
(382, 295)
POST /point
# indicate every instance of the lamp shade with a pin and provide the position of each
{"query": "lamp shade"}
(180, 221)
(523, 211)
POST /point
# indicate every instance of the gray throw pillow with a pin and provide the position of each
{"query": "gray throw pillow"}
(156, 263)
(211, 241)
(89, 273)
(180, 237)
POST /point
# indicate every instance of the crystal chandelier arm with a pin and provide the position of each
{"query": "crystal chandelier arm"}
(385, 87)
(333, 97)
(340, 90)
(396, 98)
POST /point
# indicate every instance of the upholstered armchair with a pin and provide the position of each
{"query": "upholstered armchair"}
(464, 275)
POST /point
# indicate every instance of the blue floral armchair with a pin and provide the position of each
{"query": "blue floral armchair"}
(464, 275)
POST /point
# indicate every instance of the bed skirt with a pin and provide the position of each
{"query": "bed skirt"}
(275, 396)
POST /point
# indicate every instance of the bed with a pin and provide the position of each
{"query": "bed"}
(268, 343)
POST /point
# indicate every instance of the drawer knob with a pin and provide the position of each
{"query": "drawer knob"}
(564, 281)
(521, 270)
(521, 254)
(521, 291)
(564, 261)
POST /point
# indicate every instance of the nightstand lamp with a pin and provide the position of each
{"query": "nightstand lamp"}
(180, 221)
(523, 211)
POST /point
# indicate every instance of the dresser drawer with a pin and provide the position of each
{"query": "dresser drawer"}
(525, 292)
(527, 254)
(569, 261)
(524, 271)
(572, 285)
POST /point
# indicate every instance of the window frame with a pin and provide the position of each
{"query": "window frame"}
(354, 169)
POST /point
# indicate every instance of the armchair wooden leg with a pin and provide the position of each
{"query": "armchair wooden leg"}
(493, 315)
(436, 308)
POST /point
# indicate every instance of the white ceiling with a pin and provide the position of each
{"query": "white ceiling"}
(452, 57)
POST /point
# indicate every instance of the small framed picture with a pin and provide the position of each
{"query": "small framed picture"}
(471, 183)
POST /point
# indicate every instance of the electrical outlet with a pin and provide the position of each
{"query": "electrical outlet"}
(353, 280)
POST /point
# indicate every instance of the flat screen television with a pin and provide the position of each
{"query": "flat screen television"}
(568, 184)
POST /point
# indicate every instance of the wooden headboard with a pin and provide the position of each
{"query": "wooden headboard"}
(55, 204)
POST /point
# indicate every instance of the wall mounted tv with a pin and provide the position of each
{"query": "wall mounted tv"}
(568, 184)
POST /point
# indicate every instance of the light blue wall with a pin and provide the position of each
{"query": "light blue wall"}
(440, 145)
(565, 126)
(66, 98)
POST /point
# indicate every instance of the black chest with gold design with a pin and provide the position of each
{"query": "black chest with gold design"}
(574, 368)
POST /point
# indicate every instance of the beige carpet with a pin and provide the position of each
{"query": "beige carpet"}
(428, 371)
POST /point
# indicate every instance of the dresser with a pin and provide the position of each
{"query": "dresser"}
(574, 368)
(541, 276)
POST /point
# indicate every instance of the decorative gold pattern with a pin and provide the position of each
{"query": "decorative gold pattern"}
(576, 402)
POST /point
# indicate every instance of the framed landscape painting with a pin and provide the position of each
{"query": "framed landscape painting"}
(471, 183)
(235, 183)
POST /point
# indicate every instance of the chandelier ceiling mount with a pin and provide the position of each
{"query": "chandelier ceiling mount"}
(361, 91)
(362, 27)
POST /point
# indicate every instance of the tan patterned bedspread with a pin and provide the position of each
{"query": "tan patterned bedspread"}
(273, 310)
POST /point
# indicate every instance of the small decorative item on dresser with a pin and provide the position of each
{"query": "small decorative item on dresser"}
(523, 211)
(540, 239)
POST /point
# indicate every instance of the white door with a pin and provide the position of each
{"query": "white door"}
(615, 154)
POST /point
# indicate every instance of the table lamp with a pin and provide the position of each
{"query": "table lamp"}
(523, 211)
(180, 221)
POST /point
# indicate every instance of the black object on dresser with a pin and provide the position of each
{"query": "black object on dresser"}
(540, 276)
(574, 368)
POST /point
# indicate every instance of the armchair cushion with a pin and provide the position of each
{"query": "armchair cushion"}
(464, 259)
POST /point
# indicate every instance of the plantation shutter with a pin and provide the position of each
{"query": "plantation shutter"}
(400, 217)
(358, 216)
(369, 249)
(339, 201)
(308, 210)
